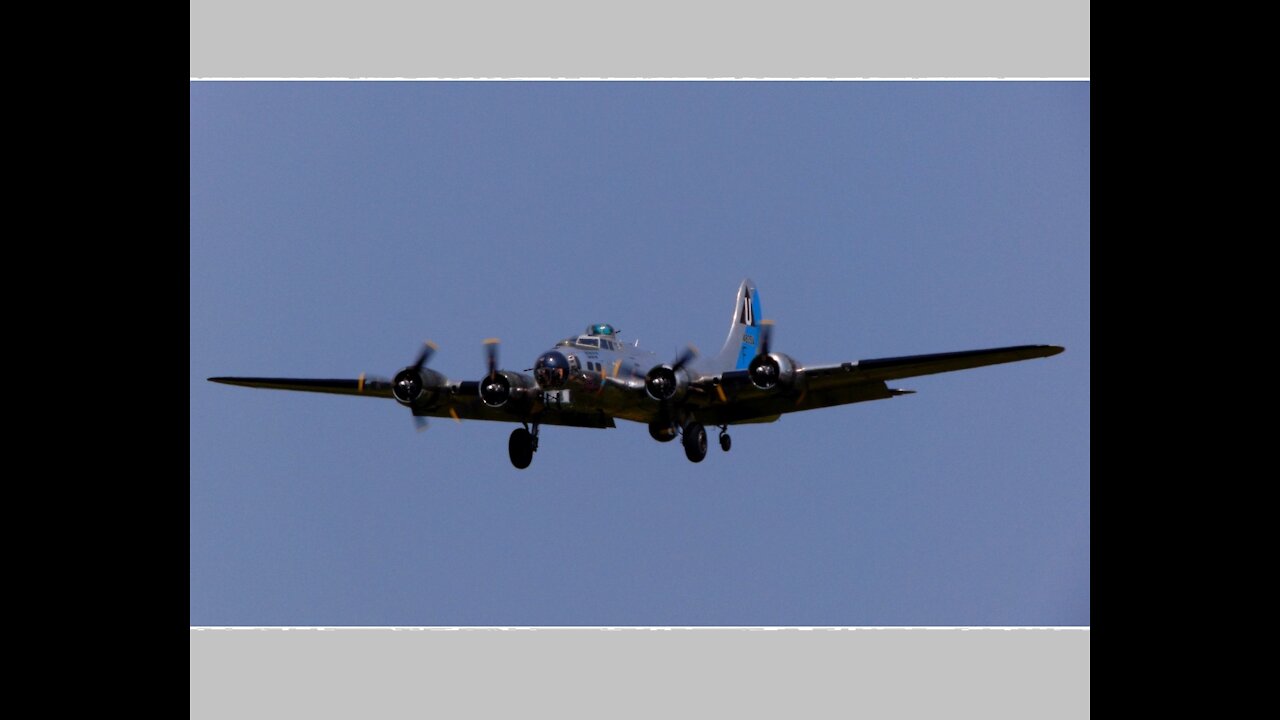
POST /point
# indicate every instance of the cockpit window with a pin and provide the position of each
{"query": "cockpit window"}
(589, 342)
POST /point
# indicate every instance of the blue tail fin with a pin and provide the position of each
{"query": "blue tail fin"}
(744, 330)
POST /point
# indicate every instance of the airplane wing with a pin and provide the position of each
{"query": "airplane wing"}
(373, 387)
(462, 401)
(732, 398)
(895, 368)
(728, 398)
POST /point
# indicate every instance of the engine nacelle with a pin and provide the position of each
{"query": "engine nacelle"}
(772, 371)
(417, 387)
(502, 387)
(666, 384)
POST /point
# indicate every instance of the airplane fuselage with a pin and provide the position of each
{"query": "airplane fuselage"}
(596, 372)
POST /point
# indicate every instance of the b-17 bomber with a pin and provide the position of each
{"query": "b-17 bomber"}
(592, 379)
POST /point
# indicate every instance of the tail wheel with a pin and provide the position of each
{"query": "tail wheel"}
(520, 448)
(695, 442)
(725, 441)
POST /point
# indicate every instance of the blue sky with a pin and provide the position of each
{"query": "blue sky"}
(334, 226)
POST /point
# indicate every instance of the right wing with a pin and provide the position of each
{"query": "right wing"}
(895, 368)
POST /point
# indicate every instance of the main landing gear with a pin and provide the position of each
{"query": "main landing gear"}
(693, 437)
(522, 445)
(695, 441)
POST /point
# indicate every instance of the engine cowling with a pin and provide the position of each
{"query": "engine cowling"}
(666, 383)
(503, 386)
(772, 372)
(417, 387)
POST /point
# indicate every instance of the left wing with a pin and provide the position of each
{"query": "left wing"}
(373, 387)
(460, 401)
(732, 398)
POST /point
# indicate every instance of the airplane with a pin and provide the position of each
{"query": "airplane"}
(594, 378)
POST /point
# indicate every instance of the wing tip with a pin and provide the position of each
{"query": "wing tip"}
(239, 381)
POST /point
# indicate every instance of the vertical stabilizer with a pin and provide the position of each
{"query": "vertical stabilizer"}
(744, 330)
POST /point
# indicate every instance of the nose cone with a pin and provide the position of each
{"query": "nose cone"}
(551, 371)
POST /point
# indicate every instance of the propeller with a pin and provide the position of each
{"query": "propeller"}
(491, 355)
(766, 332)
(662, 382)
(371, 382)
(408, 385)
(604, 376)
(428, 349)
(690, 352)
(765, 371)
(495, 389)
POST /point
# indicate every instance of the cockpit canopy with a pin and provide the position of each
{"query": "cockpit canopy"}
(600, 335)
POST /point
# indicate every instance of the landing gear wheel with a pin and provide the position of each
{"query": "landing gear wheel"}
(520, 447)
(725, 441)
(695, 442)
(662, 432)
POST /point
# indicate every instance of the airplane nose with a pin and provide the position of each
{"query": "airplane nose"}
(551, 371)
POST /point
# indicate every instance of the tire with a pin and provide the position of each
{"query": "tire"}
(695, 442)
(520, 448)
(725, 442)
